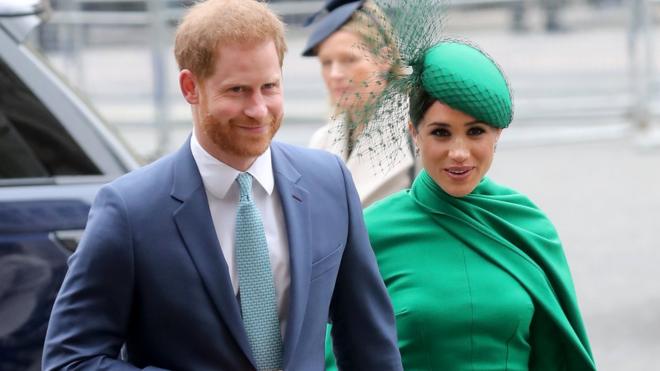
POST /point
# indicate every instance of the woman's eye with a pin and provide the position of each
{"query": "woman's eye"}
(440, 132)
(475, 131)
(350, 60)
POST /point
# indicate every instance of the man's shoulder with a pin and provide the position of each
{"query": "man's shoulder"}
(146, 177)
(304, 156)
(294, 148)
(314, 166)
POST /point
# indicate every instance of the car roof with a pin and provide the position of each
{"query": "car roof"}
(80, 121)
(19, 17)
(13, 8)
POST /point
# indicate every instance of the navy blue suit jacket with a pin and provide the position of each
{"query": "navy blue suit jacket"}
(149, 273)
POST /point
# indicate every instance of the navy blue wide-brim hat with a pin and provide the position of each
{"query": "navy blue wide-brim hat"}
(339, 12)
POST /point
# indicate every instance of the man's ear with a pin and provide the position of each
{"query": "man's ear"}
(189, 86)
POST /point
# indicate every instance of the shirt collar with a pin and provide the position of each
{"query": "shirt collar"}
(218, 177)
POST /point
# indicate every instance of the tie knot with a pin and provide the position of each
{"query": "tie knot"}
(245, 183)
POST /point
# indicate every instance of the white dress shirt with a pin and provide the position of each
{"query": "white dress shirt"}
(222, 192)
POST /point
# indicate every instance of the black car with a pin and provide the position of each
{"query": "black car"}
(55, 153)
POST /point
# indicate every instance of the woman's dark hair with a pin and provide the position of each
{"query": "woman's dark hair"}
(420, 102)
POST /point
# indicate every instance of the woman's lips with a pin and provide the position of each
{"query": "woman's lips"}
(339, 90)
(459, 172)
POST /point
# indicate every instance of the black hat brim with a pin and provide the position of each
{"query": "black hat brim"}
(328, 25)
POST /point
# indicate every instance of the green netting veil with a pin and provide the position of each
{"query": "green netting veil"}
(408, 38)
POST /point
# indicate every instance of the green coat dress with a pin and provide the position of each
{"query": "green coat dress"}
(477, 283)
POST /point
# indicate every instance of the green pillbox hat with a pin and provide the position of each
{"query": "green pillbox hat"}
(464, 78)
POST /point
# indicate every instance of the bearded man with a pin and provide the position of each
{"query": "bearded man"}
(234, 252)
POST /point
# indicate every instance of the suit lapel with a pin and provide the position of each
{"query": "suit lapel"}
(194, 222)
(295, 207)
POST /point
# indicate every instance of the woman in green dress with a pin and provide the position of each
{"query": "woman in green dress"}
(476, 272)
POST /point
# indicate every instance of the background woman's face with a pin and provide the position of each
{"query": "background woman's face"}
(456, 149)
(345, 67)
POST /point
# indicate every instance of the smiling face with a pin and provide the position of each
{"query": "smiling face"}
(238, 109)
(456, 149)
(345, 67)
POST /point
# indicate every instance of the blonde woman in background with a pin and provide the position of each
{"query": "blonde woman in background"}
(343, 41)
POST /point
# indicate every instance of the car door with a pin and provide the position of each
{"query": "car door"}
(55, 153)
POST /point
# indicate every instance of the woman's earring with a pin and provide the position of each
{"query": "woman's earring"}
(495, 148)
(416, 151)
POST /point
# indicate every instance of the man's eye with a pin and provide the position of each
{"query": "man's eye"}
(270, 85)
(236, 89)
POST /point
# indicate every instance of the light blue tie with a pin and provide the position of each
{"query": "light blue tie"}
(255, 281)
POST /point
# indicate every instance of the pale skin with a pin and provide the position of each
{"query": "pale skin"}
(238, 109)
(344, 67)
(456, 149)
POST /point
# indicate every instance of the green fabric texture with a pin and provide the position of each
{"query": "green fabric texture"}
(467, 80)
(463, 272)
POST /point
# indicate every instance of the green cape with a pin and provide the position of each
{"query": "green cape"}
(530, 251)
(506, 228)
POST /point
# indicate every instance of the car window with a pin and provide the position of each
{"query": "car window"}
(33, 143)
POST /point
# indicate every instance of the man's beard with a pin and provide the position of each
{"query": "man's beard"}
(232, 140)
